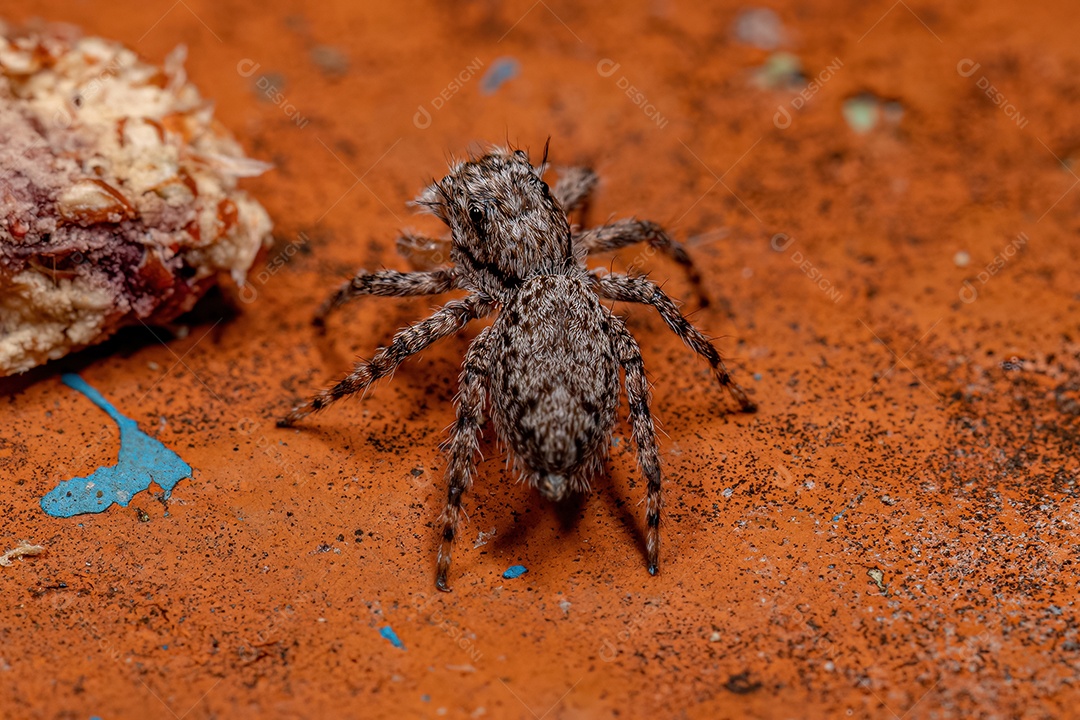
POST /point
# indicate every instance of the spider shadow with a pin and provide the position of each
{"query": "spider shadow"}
(568, 513)
(339, 349)
(622, 511)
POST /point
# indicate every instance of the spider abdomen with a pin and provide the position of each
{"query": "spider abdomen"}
(554, 382)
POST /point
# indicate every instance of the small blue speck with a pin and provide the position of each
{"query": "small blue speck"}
(837, 516)
(388, 633)
(501, 71)
(164, 647)
(757, 376)
(515, 571)
(425, 698)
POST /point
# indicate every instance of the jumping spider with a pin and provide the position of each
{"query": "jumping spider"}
(548, 366)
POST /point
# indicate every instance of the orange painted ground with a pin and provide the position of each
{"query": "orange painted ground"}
(894, 534)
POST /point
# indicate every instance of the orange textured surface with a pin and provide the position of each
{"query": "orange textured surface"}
(893, 534)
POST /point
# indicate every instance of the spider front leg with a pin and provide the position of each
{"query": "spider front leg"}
(637, 397)
(640, 290)
(464, 445)
(390, 283)
(445, 322)
(622, 233)
(574, 188)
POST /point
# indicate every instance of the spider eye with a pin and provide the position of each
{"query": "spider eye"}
(476, 216)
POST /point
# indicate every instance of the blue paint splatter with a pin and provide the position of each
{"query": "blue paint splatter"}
(515, 571)
(501, 71)
(142, 460)
(388, 633)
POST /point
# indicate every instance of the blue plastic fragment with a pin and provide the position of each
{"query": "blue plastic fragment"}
(142, 460)
(515, 571)
(501, 71)
(388, 633)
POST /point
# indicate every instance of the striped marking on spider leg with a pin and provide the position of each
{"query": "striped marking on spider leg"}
(701, 345)
(659, 239)
(644, 432)
(464, 447)
(622, 233)
(450, 518)
(642, 290)
(446, 321)
(386, 283)
(365, 373)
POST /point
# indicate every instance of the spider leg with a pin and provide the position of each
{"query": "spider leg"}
(445, 322)
(622, 233)
(574, 187)
(637, 397)
(641, 290)
(387, 283)
(464, 446)
(422, 252)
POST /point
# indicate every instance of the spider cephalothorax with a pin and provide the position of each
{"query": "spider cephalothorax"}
(504, 222)
(548, 366)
